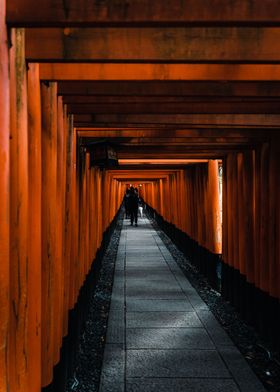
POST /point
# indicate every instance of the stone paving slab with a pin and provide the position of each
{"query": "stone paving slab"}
(145, 263)
(117, 302)
(151, 274)
(160, 305)
(214, 329)
(151, 279)
(162, 320)
(175, 363)
(161, 335)
(240, 370)
(113, 369)
(116, 327)
(168, 338)
(180, 385)
(145, 284)
(152, 266)
(154, 293)
(148, 256)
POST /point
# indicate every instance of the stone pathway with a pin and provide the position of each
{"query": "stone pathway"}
(161, 335)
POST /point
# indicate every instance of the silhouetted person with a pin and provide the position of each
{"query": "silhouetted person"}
(126, 203)
(141, 206)
(133, 205)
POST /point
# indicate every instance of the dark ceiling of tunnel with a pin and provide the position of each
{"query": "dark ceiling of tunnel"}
(155, 90)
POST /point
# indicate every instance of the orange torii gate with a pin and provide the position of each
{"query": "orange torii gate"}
(55, 207)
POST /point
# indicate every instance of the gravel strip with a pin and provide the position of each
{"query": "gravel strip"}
(92, 340)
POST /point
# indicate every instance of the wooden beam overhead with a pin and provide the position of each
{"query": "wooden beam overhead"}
(172, 155)
(142, 12)
(172, 162)
(168, 99)
(177, 108)
(193, 135)
(184, 142)
(149, 71)
(162, 88)
(213, 120)
(185, 44)
(179, 149)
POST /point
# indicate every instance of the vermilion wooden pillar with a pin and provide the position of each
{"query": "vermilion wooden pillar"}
(99, 208)
(229, 202)
(106, 197)
(274, 238)
(264, 217)
(257, 213)
(82, 212)
(182, 193)
(214, 213)
(34, 216)
(4, 197)
(63, 124)
(74, 262)
(235, 202)
(49, 251)
(87, 256)
(68, 124)
(241, 214)
(224, 213)
(161, 208)
(60, 189)
(248, 200)
(19, 351)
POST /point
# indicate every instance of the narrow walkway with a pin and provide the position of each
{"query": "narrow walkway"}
(161, 335)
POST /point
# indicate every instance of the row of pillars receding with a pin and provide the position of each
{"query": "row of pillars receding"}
(189, 199)
(248, 238)
(54, 209)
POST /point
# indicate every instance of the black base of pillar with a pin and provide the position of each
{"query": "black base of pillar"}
(256, 307)
(208, 263)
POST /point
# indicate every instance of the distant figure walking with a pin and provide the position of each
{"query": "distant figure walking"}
(141, 206)
(133, 201)
(126, 203)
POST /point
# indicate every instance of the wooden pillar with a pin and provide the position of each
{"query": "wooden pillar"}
(74, 259)
(224, 213)
(91, 232)
(4, 198)
(49, 251)
(87, 244)
(105, 197)
(19, 351)
(257, 213)
(68, 124)
(274, 185)
(99, 207)
(60, 189)
(240, 237)
(264, 216)
(214, 213)
(229, 206)
(188, 203)
(62, 124)
(200, 206)
(161, 196)
(34, 217)
(81, 213)
(182, 193)
(248, 200)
